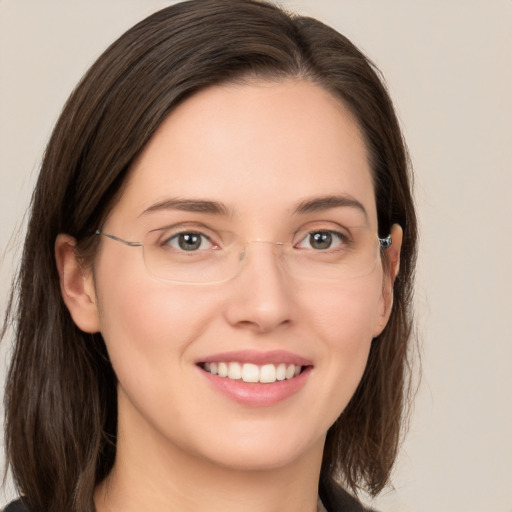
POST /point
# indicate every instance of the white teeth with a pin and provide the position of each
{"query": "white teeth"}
(290, 371)
(281, 371)
(249, 372)
(234, 371)
(223, 370)
(268, 373)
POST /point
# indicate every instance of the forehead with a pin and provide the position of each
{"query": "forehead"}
(259, 148)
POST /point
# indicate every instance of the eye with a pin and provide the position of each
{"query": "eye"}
(322, 240)
(189, 241)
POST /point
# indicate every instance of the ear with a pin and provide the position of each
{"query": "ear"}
(391, 269)
(76, 285)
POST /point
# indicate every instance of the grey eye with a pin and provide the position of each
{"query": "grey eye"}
(189, 241)
(321, 240)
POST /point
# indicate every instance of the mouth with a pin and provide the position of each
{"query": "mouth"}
(256, 378)
(253, 373)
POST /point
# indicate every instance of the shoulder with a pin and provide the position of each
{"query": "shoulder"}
(336, 499)
(17, 506)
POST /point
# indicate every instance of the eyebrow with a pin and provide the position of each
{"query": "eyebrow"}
(189, 205)
(323, 203)
(316, 204)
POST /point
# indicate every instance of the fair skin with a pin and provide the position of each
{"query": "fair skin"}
(260, 149)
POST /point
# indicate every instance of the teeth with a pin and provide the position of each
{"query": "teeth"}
(268, 373)
(223, 369)
(281, 371)
(290, 371)
(234, 371)
(249, 372)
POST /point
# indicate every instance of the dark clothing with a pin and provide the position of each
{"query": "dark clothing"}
(333, 497)
(16, 506)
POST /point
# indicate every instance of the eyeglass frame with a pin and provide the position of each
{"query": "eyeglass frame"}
(384, 243)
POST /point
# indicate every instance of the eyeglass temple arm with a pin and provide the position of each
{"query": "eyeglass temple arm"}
(117, 239)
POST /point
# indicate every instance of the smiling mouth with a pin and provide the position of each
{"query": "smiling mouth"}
(249, 372)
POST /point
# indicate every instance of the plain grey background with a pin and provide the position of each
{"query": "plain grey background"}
(448, 65)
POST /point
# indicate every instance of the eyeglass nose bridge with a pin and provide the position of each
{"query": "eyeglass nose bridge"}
(243, 253)
(278, 261)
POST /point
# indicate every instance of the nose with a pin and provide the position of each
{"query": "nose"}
(262, 299)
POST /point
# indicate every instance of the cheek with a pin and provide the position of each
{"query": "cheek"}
(145, 322)
(343, 318)
(345, 314)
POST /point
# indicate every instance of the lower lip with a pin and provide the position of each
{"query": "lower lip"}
(255, 394)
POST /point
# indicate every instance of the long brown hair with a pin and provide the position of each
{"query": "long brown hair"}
(61, 402)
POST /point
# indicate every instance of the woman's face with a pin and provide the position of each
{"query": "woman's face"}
(257, 160)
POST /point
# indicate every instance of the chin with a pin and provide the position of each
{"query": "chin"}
(263, 452)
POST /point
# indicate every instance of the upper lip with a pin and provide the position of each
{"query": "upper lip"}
(257, 357)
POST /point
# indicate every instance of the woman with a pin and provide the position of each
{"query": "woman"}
(213, 306)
